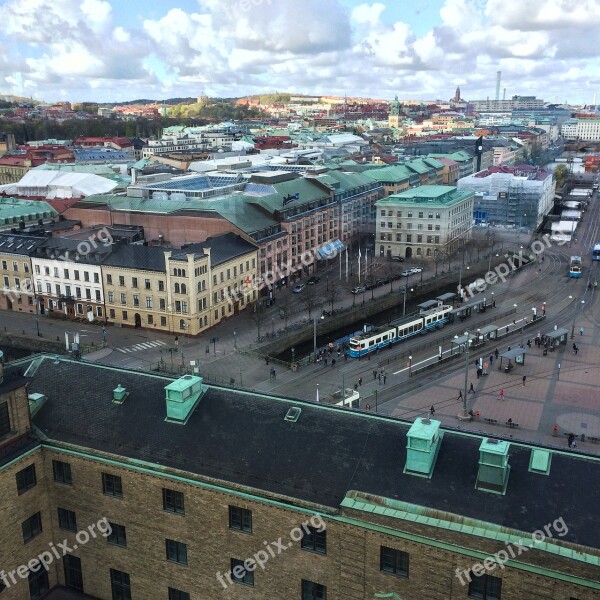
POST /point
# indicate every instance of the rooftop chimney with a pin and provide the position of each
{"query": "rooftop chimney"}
(182, 397)
(423, 442)
(493, 466)
(119, 394)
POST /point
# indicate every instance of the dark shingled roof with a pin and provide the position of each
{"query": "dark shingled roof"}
(242, 438)
(222, 248)
(149, 258)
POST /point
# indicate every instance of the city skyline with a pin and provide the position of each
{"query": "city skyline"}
(110, 51)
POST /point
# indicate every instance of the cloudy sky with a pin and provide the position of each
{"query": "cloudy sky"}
(99, 50)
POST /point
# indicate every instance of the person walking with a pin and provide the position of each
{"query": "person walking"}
(176, 340)
(496, 353)
(491, 359)
(379, 378)
(581, 331)
(524, 379)
(570, 440)
(384, 378)
(501, 394)
(333, 362)
(460, 396)
(360, 381)
(575, 348)
(374, 374)
(471, 389)
(432, 411)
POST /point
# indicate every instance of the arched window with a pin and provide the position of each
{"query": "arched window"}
(428, 251)
(183, 288)
(177, 288)
(181, 324)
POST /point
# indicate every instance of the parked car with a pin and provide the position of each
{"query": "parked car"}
(314, 279)
(298, 288)
(370, 285)
(397, 259)
(359, 289)
(416, 270)
(406, 273)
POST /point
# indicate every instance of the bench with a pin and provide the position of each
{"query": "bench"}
(512, 424)
(491, 421)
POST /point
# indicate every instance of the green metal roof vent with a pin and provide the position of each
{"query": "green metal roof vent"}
(423, 442)
(182, 397)
(540, 461)
(493, 466)
(293, 414)
(119, 394)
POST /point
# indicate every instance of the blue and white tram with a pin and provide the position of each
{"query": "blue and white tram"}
(575, 267)
(596, 252)
(383, 337)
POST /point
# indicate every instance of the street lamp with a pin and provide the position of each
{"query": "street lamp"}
(315, 337)
(465, 415)
(235, 339)
(522, 321)
(404, 299)
(574, 318)
(410, 366)
(460, 281)
(293, 355)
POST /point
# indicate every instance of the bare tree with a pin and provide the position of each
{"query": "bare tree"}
(332, 293)
(258, 316)
(310, 300)
(284, 305)
(438, 257)
(390, 270)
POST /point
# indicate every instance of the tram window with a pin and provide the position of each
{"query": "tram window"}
(371, 342)
(378, 340)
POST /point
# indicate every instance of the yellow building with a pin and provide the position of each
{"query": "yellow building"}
(182, 291)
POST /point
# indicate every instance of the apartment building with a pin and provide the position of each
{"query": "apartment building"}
(164, 489)
(18, 292)
(424, 221)
(182, 291)
(585, 129)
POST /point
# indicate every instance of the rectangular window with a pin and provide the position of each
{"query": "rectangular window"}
(4, 419)
(485, 587)
(117, 536)
(38, 584)
(239, 573)
(121, 280)
(66, 273)
(111, 298)
(76, 275)
(67, 519)
(32, 526)
(26, 479)
(62, 472)
(314, 540)
(86, 276)
(240, 519)
(173, 501)
(178, 594)
(148, 301)
(112, 485)
(176, 552)
(111, 313)
(96, 278)
(161, 286)
(123, 298)
(136, 300)
(73, 574)
(162, 304)
(394, 561)
(120, 585)
(313, 591)
(408, 238)
(97, 294)
(163, 321)
(147, 284)
(134, 282)
(109, 279)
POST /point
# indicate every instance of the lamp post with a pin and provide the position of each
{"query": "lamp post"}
(465, 415)
(410, 366)
(574, 318)
(235, 339)
(522, 320)
(327, 279)
(315, 337)
(293, 355)
(460, 281)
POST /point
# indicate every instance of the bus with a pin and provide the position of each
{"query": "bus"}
(596, 252)
(575, 268)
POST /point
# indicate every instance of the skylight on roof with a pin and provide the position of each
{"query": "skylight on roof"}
(293, 414)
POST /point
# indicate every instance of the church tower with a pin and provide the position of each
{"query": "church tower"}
(394, 116)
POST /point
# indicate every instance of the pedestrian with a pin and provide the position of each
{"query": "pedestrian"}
(575, 348)
(333, 362)
(529, 344)
(374, 374)
(491, 359)
(570, 440)
(479, 373)
(460, 396)
(524, 379)
(379, 378)
(581, 331)
(355, 386)
(325, 360)
(360, 381)
(176, 340)
(267, 359)
(501, 394)
(384, 378)
(496, 353)
(508, 349)
(471, 389)
(432, 410)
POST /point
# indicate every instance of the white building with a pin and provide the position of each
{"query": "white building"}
(67, 278)
(586, 130)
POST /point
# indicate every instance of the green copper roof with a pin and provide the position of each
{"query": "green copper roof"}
(390, 174)
(13, 208)
(432, 195)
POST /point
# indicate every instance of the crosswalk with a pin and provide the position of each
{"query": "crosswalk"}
(142, 346)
